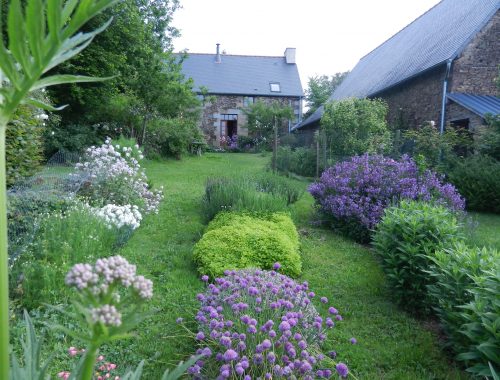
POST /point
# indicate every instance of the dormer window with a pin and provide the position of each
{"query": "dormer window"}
(275, 87)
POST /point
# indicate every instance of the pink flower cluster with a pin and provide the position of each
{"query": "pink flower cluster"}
(104, 369)
(255, 323)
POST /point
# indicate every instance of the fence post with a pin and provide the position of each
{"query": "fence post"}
(275, 145)
(316, 135)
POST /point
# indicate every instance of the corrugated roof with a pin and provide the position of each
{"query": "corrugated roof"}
(243, 75)
(432, 39)
(479, 104)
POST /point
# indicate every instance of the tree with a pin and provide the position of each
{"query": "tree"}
(319, 89)
(356, 126)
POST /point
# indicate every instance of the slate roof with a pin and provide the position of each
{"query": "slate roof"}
(437, 36)
(243, 74)
(479, 104)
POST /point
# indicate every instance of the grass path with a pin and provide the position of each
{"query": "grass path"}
(391, 345)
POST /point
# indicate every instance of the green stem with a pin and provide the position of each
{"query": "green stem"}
(89, 363)
(4, 282)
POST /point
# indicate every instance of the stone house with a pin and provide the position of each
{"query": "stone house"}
(228, 83)
(442, 68)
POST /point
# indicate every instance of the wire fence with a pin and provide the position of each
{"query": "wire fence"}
(53, 188)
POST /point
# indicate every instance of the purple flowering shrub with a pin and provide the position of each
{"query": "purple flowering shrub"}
(262, 324)
(354, 193)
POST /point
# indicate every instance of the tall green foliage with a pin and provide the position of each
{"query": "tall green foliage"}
(264, 117)
(356, 126)
(319, 89)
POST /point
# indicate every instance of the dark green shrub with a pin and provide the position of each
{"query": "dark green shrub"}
(464, 294)
(241, 240)
(171, 137)
(487, 138)
(23, 144)
(301, 161)
(477, 178)
(263, 193)
(405, 240)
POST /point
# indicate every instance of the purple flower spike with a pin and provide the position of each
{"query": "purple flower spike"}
(342, 369)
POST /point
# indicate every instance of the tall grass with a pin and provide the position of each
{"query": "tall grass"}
(266, 192)
(64, 239)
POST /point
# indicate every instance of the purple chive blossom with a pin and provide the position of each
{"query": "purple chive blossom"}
(338, 317)
(200, 335)
(230, 355)
(342, 369)
(332, 310)
(353, 340)
(332, 354)
(204, 278)
(179, 320)
(323, 300)
(284, 326)
(276, 266)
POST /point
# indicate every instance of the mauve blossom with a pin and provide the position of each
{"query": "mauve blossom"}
(342, 369)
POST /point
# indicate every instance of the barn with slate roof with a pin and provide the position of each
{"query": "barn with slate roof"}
(229, 83)
(442, 67)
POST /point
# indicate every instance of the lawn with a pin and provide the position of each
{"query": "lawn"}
(392, 345)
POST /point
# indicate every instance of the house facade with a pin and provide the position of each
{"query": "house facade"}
(227, 84)
(442, 67)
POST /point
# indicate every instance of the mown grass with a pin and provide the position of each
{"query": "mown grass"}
(392, 345)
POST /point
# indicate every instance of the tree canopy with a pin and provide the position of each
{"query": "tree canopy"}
(319, 89)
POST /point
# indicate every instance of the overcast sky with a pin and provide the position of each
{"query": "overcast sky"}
(330, 35)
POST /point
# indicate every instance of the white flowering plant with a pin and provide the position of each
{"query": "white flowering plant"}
(116, 216)
(112, 174)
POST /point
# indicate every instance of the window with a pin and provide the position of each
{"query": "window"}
(248, 100)
(275, 87)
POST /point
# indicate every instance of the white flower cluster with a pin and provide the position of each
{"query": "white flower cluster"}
(110, 162)
(107, 315)
(120, 216)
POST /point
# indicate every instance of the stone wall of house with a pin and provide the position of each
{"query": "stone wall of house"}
(415, 101)
(476, 69)
(456, 112)
(217, 105)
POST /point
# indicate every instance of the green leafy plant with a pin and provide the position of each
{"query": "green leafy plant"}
(39, 38)
(300, 161)
(477, 178)
(242, 240)
(464, 287)
(405, 240)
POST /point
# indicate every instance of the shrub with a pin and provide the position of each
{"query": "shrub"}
(171, 137)
(240, 240)
(405, 240)
(356, 126)
(465, 289)
(112, 174)
(477, 178)
(488, 138)
(353, 194)
(301, 161)
(261, 324)
(264, 193)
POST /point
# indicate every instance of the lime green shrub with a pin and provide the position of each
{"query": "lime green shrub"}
(244, 240)
(405, 240)
(465, 294)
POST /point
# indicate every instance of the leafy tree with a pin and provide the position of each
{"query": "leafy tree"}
(264, 117)
(319, 89)
(356, 126)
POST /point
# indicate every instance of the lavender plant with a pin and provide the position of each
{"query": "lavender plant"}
(262, 324)
(353, 194)
(114, 176)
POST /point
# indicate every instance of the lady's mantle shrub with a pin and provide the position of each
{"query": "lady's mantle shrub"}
(239, 241)
(354, 193)
(465, 291)
(405, 240)
(113, 175)
(259, 324)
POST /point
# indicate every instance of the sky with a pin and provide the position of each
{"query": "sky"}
(330, 35)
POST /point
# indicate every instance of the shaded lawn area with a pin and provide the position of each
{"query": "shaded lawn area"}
(392, 345)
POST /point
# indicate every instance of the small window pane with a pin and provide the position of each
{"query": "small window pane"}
(275, 87)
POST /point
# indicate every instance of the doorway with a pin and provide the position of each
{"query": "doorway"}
(229, 125)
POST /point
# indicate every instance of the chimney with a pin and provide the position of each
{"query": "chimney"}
(217, 56)
(290, 55)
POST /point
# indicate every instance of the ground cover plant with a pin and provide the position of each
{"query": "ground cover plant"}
(244, 240)
(262, 324)
(353, 194)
